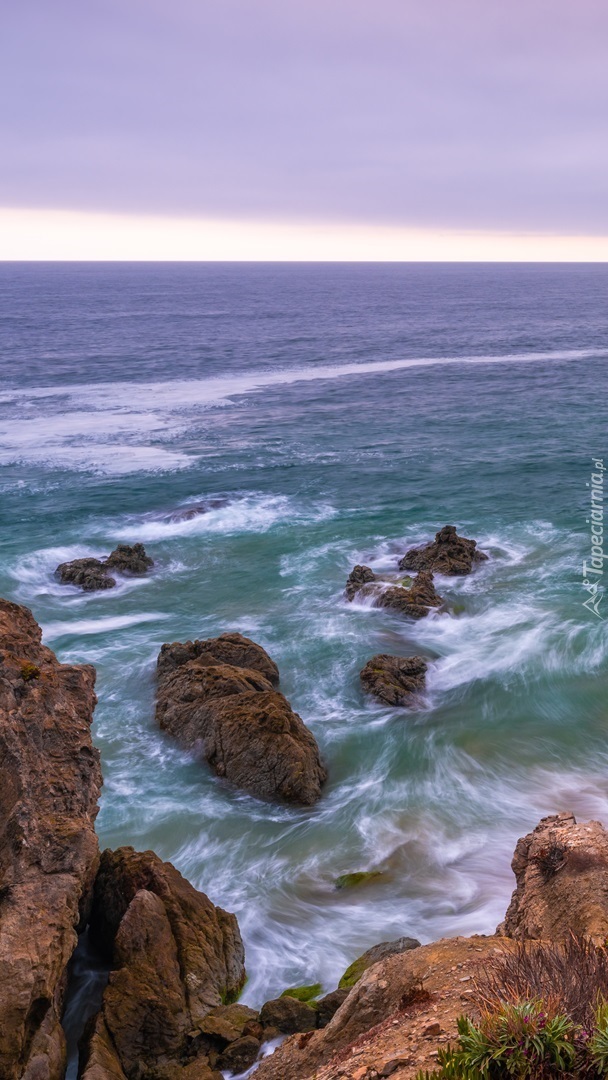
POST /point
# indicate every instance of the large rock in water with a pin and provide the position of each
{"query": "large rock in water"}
(394, 679)
(415, 600)
(175, 957)
(91, 574)
(233, 717)
(561, 870)
(448, 553)
(49, 786)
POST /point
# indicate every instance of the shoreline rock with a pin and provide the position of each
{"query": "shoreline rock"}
(415, 601)
(92, 574)
(50, 781)
(395, 680)
(230, 715)
(448, 553)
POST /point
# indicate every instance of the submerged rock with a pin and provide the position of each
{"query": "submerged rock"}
(561, 870)
(414, 601)
(175, 955)
(232, 717)
(394, 679)
(91, 574)
(448, 553)
(358, 878)
(49, 786)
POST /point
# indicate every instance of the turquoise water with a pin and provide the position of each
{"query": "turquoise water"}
(342, 413)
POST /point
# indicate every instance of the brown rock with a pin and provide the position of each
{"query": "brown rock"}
(394, 679)
(89, 574)
(561, 870)
(233, 718)
(359, 576)
(328, 1006)
(227, 1023)
(231, 649)
(240, 1055)
(288, 1015)
(176, 957)
(448, 553)
(49, 786)
(129, 560)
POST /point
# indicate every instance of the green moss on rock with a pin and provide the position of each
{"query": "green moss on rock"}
(360, 877)
(303, 993)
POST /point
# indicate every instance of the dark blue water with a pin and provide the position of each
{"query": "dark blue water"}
(344, 412)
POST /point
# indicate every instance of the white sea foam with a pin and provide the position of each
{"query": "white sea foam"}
(255, 512)
(63, 628)
(83, 421)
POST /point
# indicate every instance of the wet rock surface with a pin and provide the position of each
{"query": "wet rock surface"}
(91, 574)
(232, 717)
(175, 957)
(288, 1015)
(448, 553)
(49, 786)
(561, 870)
(415, 601)
(395, 680)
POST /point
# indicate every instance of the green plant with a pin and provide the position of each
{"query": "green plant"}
(29, 672)
(598, 1042)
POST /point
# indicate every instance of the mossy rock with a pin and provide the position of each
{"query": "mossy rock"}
(406, 582)
(303, 993)
(29, 672)
(458, 609)
(360, 877)
(373, 956)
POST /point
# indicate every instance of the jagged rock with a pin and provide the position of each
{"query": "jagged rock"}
(89, 574)
(359, 576)
(175, 958)
(288, 1015)
(240, 1055)
(227, 1023)
(49, 786)
(372, 956)
(561, 870)
(394, 679)
(231, 649)
(415, 601)
(233, 718)
(129, 560)
(448, 553)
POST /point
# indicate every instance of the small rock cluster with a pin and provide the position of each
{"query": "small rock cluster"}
(92, 574)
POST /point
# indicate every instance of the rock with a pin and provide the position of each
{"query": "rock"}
(373, 956)
(49, 785)
(394, 679)
(357, 878)
(233, 718)
(228, 1022)
(288, 1015)
(230, 649)
(561, 871)
(359, 576)
(89, 574)
(240, 1055)
(129, 560)
(175, 957)
(328, 1006)
(448, 553)
(414, 601)
(303, 993)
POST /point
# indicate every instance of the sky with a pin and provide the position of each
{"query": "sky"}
(304, 128)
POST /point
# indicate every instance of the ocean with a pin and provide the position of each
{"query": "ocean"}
(320, 416)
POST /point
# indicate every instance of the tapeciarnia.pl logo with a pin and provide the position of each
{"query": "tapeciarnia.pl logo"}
(593, 570)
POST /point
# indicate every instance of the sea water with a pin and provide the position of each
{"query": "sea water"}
(261, 429)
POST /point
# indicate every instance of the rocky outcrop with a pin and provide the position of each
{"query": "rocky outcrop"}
(448, 553)
(415, 600)
(49, 785)
(230, 714)
(396, 680)
(561, 870)
(230, 649)
(392, 1012)
(91, 574)
(377, 952)
(175, 957)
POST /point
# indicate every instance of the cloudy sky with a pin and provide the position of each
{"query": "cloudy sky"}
(385, 115)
